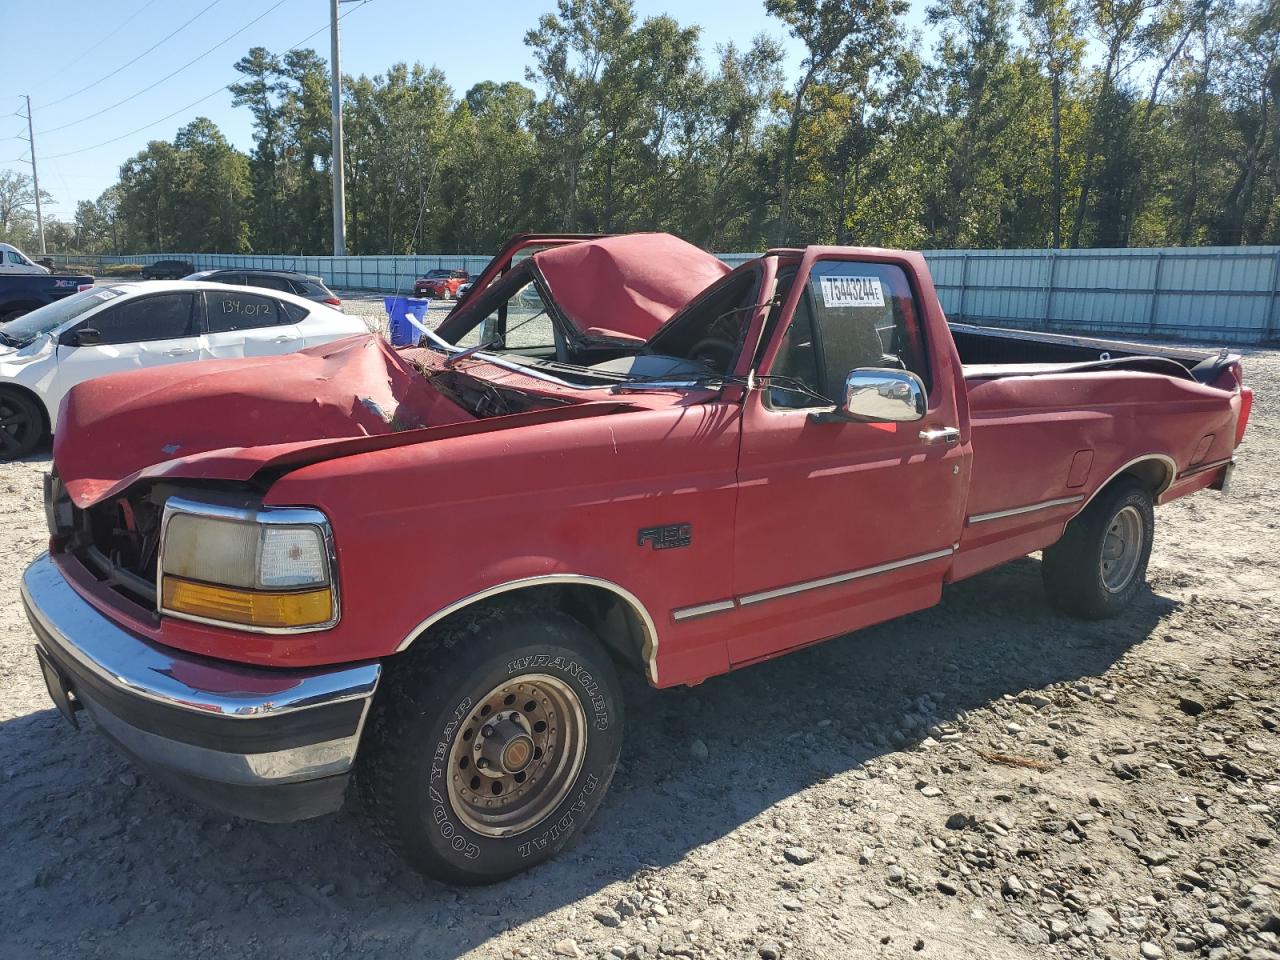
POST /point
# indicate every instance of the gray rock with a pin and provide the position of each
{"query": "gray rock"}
(799, 855)
(1098, 922)
(607, 917)
(698, 750)
(957, 821)
(1029, 933)
(568, 947)
(1012, 886)
(770, 951)
(947, 887)
(1216, 932)
(878, 901)
(1036, 700)
(896, 874)
(1151, 951)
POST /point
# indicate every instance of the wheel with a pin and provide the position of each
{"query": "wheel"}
(21, 425)
(1100, 563)
(491, 746)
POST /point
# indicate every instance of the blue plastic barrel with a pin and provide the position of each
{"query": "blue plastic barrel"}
(400, 309)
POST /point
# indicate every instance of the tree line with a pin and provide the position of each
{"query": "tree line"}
(1039, 123)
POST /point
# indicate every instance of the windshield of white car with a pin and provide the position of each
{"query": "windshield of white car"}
(30, 326)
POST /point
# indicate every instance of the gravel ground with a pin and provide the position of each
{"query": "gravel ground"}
(984, 779)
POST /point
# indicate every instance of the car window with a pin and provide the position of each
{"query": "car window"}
(527, 326)
(233, 310)
(270, 282)
(237, 279)
(16, 258)
(292, 312)
(166, 316)
(850, 315)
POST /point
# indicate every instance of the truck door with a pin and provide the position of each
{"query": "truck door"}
(843, 522)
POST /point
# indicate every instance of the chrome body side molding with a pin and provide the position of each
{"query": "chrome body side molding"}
(787, 591)
(1029, 508)
(702, 609)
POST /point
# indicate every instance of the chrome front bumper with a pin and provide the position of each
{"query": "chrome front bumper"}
(268, 744)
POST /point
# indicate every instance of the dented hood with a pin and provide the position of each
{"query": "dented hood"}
(227, 419)
(626, 286)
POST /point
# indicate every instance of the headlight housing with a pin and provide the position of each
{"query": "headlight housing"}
(269, 570)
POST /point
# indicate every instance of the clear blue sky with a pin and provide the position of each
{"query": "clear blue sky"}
(53, 50)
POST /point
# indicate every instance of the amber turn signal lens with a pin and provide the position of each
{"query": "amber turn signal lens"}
(253, 608)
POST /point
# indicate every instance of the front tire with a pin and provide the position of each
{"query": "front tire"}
(21, 425)
(1100, 564)
(492, 743)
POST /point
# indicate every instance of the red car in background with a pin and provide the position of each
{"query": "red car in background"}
(440, 284)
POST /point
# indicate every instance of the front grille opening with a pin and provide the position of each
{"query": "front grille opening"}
(118, 541)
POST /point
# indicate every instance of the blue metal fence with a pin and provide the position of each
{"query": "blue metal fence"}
(1226, 294)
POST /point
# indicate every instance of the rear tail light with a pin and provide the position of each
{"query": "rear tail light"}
(1246, 407)
(333, 301)
(82, 287)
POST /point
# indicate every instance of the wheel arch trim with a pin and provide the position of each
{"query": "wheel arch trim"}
(1165, 461)
(649, 654)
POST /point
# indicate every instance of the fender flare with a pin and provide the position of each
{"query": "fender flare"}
(649, 653)
(1165, 461)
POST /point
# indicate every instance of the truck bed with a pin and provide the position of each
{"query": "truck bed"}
(992, 352)
(1054, 417)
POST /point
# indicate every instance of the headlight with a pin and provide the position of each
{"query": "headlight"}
(264, 569)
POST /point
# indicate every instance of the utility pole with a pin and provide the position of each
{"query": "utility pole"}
(336, 160)
(35, 174)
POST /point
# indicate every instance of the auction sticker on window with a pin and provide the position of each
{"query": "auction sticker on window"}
(852, 292)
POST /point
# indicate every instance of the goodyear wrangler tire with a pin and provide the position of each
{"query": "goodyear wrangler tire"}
(492, 744)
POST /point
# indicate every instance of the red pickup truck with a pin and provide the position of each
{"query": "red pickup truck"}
(423, 570)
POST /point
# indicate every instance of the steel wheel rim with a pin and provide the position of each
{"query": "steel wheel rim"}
(1122, 549)
(516, 755)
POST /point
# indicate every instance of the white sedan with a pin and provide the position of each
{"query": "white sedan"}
(127, 326)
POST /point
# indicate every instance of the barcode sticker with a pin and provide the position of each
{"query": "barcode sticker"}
(852, 292)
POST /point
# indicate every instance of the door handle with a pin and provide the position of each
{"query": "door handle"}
(941, 435)
(180, 352)
(285, 338)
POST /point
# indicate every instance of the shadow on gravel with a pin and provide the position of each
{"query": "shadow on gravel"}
(104, 861)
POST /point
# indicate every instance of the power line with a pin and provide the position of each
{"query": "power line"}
(194, 103)
(193, 60)
(135, 59)
(124, 23)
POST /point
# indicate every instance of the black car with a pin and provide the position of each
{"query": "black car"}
(167, 270)
(302, 284)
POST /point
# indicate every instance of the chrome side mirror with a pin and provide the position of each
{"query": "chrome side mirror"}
(893, 396)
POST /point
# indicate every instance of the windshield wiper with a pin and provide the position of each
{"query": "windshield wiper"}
(453, 358)
(9, 341)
